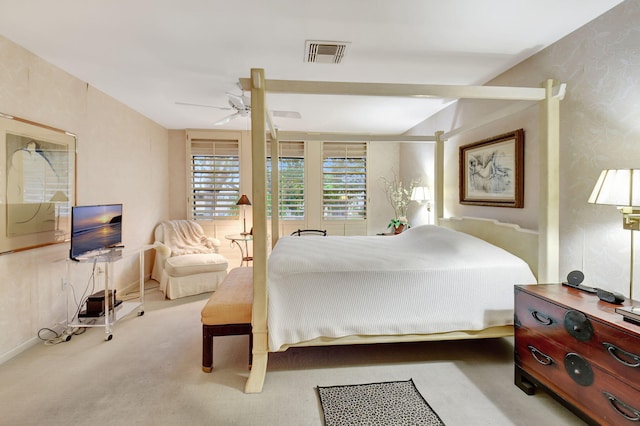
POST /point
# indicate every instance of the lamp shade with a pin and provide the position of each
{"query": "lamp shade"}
(243, 201)
(618, 188)
(59, 197)
(420, 194)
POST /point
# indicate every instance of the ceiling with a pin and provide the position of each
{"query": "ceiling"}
(150, 54)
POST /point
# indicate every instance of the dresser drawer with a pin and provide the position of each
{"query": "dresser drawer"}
(611, 349)
(574, 378)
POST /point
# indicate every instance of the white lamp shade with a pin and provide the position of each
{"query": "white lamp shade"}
(618, 188)
(420, 194)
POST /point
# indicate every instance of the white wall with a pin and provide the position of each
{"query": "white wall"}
(599, 128)
(417, 161)
(122, 158)
(383, 161)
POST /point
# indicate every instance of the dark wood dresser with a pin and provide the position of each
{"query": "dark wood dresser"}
(575, 347)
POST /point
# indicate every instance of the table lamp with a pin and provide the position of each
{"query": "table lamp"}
(244, 201)
(420, 194)
(621, 188)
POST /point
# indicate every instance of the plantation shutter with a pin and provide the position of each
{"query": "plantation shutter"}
(215, 179)
(291, 184)
(344, 180)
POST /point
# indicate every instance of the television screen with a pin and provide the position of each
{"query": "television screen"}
(95, 228)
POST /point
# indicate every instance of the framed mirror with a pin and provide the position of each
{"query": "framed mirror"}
(37, 184)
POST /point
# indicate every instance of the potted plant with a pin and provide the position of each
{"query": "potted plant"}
(398, 224)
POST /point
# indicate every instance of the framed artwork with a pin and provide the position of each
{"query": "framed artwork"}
(492, 171)
(37, 184)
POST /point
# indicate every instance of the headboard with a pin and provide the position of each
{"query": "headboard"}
(518, 241)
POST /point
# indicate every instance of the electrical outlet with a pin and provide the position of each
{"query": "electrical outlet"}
(100, 270)
(64, 283)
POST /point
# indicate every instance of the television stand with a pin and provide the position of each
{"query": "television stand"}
(96, 313)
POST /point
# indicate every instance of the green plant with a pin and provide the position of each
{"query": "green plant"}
(396, 222)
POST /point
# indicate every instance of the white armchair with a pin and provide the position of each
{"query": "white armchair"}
(187, 260)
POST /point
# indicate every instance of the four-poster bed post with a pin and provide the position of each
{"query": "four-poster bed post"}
(259, 177)
(549, 207)
(549, 137)
(438, 190)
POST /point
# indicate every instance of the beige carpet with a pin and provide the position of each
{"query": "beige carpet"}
(150, 374)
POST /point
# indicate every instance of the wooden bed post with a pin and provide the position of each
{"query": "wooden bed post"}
(258, 154)
(438, 189)
(549, 204)
(275, 187)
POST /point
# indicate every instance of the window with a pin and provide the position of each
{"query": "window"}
(215, 179)
(291, 182)
(344, 180)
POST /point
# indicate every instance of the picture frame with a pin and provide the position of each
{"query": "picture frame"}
(37, 184)
(492, 171)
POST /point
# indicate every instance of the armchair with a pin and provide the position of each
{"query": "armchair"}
(187, 260)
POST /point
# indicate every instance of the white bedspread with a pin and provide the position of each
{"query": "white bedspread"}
(426, 280)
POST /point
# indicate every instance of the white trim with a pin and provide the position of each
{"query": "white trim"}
(19, 349)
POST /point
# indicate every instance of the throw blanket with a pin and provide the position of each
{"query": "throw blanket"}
(185, 237)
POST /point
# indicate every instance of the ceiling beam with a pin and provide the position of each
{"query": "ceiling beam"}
(400, 90)
(350, 137)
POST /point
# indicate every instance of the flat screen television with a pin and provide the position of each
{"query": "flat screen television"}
(95, 228)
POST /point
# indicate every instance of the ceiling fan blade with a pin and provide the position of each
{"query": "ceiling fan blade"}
(201, 105)
(227, 119)
(239, 102)
(286, 114)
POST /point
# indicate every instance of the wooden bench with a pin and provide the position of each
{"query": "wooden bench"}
(228, 313)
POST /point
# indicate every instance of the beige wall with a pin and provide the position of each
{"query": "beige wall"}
(599, 128)
(122, 158)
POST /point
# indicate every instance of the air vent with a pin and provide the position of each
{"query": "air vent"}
(325, 52)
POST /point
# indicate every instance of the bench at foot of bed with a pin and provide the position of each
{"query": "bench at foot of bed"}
(228, 313)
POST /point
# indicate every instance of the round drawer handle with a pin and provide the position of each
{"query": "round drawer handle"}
(578, 325)
(625, 410)
(578, 369)
(618, 355)
(539, 356)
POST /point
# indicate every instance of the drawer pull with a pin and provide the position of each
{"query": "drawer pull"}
(578, 325)
(619, 355)
(625, 410)
(541, 318)
(578, 369)
(540, 357)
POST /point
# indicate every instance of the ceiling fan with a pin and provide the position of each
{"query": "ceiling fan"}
(242, 106)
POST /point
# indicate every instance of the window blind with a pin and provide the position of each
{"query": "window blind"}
(215, 179)
(344, 180)
(291, 180)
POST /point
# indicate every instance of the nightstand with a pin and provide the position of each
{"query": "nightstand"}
(575, 347)
(242, 241)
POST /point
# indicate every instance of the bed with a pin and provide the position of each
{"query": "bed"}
(539, 249)
(427, 280)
